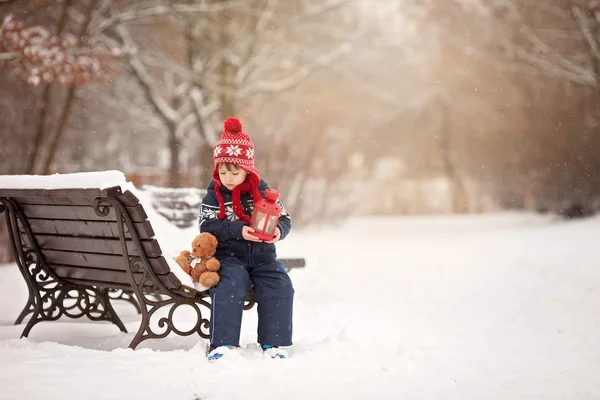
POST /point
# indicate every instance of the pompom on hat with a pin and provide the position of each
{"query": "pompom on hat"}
(236, 147)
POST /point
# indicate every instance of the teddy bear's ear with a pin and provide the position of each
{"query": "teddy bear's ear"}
(212, 240)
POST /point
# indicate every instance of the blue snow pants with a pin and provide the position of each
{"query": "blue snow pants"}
(274, 296)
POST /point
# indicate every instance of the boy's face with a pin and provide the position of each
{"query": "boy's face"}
(230, 179)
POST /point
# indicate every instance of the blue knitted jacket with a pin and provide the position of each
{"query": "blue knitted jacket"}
(229, 231)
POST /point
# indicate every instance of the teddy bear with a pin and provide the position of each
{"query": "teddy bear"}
(200, 263)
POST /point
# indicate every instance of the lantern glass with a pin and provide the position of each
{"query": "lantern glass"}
(259, 222)
(271, 227)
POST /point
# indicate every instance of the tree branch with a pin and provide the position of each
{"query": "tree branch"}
(161, 10)
(295, 79)
(145, 80)
(8, 56)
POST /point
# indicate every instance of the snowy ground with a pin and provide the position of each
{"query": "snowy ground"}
(480, 307)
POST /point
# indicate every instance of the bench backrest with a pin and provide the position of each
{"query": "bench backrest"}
(79, 245)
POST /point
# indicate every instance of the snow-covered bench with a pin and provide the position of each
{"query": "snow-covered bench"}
(78, 238)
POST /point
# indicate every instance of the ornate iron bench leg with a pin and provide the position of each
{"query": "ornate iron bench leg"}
(120, 294)
(150, 292)
(170, 302)
(108, 313)
(28, 309)
(50, 297)
(74, 302)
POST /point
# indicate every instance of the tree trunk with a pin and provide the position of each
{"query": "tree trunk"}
(174, 173)
(39, 132)
(67, 105)
(457, 189)
(227, 107)
(226, 71)
(207, 162)
(315, 152)
(64, 116)
(205, 154)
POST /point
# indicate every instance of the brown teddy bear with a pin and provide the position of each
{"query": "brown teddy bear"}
(200, 263)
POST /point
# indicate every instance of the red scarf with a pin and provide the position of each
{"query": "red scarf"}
(249, 186)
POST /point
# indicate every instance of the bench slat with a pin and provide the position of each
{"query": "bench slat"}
(159, 264)
(87, 228)
(108, 285)
(95, 245)
(86, 213)
(112, 285)
(290, 263)
(69, 272)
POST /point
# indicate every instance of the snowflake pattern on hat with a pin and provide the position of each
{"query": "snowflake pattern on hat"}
(234, 146)
(234, 151)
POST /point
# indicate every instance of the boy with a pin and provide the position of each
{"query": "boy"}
(245, 260)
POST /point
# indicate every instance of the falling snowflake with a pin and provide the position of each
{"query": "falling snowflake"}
(250, 153)
(217, 151)
(234, 150)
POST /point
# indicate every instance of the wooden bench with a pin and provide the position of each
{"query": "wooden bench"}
(79, 249)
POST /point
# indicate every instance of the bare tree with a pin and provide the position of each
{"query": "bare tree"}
(41, 58)
(232, 51)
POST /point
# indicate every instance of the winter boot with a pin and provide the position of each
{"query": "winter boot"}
(219, 352)
(274, 351)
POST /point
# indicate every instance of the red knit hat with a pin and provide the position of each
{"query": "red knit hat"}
(236, 147)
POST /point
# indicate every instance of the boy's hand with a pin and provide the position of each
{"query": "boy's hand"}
(247, 234)
(277, 236)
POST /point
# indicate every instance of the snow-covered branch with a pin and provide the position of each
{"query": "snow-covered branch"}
(9, 56)
(296, 78)
(203, 112)
(554, 63)
(166, 65)
(324, 7)
(34, 2)
(161, 10)
(38, 56)
(145, 80)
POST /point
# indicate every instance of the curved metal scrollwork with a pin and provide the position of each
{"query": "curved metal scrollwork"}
(155, 299)
(168, 323)
(49, 296)
(120, 294)
(151, 294)
(250, 300)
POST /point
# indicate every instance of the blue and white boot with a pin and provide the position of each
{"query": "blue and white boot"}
(219, 352)
(274, 351)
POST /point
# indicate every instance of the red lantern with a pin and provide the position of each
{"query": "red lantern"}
(266, 215)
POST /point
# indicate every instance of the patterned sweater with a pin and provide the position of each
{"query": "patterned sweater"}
(229, 231)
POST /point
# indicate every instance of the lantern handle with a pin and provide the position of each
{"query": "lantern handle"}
(271, 195)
